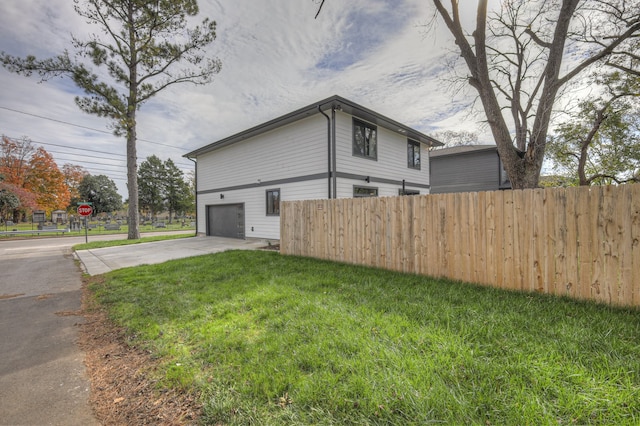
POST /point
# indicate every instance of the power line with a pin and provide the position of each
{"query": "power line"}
(68, 147)
(123, 178)
(86, 128)
(100, 164)
(83, 155)
(55, 120)
(186, 165)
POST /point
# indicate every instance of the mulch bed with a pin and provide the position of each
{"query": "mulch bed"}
(275, 247)
(123, 390)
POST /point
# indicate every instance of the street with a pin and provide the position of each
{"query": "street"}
(42, 375)
(42, 372)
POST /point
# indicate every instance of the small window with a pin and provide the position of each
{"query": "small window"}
(273, 202)
(408, 192)
(365, 140)
(413, 154)
(364, 191)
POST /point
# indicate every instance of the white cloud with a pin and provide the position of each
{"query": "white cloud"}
(275, 58)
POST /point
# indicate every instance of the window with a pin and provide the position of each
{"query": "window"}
(413, 154)
(408, 192)
(273, 202)
(365, 140)
(364, 191)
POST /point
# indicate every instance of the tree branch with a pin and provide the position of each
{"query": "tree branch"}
(319, 9)
(624, 69)
(613, 178)
(537, 39)
(600, 55)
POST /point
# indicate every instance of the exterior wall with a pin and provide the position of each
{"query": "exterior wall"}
(257, 223)
(293, 158)
(298, 149)
(387, 172)
(465, 172)
(244, 171)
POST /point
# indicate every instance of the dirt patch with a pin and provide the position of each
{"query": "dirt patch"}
(10, 296)
(123, 391)
(275, 247)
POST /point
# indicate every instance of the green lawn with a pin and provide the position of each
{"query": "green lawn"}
(267, 339)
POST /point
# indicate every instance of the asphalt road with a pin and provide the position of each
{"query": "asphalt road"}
(42, 375)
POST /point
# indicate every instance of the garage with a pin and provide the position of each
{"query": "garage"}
(226, 220)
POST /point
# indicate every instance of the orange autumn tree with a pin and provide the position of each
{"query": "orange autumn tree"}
(14, 159)
(73, 176)
(32, 175)
(47, 182)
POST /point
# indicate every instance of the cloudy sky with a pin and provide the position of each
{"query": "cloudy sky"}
(275, 58)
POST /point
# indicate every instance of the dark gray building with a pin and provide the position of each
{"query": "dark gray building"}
(466, 169)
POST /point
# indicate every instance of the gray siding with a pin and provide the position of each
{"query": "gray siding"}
(465, 172)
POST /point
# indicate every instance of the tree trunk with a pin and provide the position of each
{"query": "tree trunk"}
(132, 157)
(523, 173)
(132, 179)
(582, 162)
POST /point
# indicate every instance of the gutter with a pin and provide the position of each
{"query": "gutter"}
(195, 190)
(329, 146)
(333, 149)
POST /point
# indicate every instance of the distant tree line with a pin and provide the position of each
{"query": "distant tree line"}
(162, 187)
(31, 180)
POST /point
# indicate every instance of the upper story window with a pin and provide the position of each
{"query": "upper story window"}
(413, 154)
(365, 140)
(273, 202)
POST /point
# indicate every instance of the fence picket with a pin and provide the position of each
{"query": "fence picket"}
(623, 231)
(549, 252)
(635, 245)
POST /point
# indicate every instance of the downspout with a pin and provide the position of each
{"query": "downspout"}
(328, 150)
(195, 190)
(333, 150)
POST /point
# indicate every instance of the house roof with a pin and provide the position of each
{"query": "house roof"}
(327, 104)
(460, 149)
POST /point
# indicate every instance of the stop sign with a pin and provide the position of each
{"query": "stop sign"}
(85, 210)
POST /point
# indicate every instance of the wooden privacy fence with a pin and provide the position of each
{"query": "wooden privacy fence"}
(578, 242)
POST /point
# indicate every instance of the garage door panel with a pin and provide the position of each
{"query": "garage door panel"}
(226, 220)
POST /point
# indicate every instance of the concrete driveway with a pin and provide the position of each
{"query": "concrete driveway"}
(100, 261)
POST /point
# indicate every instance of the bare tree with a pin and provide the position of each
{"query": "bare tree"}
(141, 49)
(519, 58)
(455, 138)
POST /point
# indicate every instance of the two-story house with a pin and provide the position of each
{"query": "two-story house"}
(334, 148)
